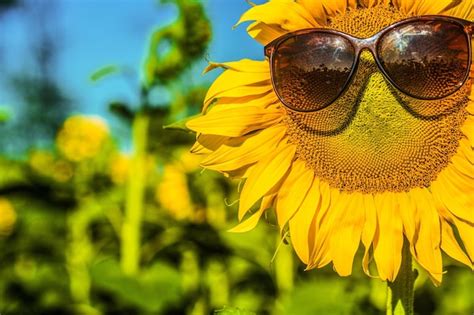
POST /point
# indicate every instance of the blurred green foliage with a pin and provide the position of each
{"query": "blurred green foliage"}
(67, 211)
(4, 114)
(173, 48)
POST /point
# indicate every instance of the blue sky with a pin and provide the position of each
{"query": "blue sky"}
(102, 32)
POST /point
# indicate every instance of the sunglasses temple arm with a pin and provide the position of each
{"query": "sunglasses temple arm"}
(268, 50)
(470, 28)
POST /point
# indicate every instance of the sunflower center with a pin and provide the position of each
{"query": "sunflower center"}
(374, 138)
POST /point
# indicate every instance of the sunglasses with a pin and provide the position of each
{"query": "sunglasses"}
(427, 58)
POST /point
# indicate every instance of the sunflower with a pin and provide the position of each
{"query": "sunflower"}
(82, 137)
(389, 176)
(173, 193)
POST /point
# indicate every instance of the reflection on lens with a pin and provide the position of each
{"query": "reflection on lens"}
(426, 59)
(311, 70)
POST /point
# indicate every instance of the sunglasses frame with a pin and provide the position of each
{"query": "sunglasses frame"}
(371, 44)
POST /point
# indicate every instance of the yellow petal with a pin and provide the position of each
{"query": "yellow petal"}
(316, 9)
(331, 206)
(462, 9)
(346, 233)
(450, 245)
(241, 173)
(264, 33)
(468, 130)
(424, 7)
(206, 144)
(466, 232)
(293, 191)
(388, 240)
(300, 224)
(372, 3)
(263, 100)
(368, 232)
(466, 150)
(322, 245)
(266, 174)
(242, 151)
(470, 108)
(230, 80)
(470, 105)
(456, 199)
(253, 91)
(427, 244)
(352, 4)
(463, 183)
(405, 6)
(409, 213)
(252, 222)
(235, 121)
(288, 15)
(334, 8)
(318, 255)
(462, 165)
(199, 149)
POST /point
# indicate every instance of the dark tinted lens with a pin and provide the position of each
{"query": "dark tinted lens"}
(311, 70)
(426, 59)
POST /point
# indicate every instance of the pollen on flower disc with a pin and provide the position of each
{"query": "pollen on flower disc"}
(374, 138)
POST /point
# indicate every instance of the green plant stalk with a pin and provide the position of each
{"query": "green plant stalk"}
(284, 274)
(131, 226)
(400, 293)
(191, 280)
(77, 257)
(79, 254)
(218, 284)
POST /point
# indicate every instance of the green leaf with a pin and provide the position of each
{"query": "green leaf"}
(180, 124)
(4, 114)
(333, 296)
(152, 290)
(103, 72)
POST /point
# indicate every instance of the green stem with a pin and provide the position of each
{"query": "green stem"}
(218, 284)
(284, 274)
(400, 293)
(190, 281)
(131, 228)
(77, 257)
(80, 254)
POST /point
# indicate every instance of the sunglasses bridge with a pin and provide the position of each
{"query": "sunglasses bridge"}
(361, 44)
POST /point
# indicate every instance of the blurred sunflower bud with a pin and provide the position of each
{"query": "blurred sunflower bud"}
(7, 217)
(62, 171)
(119, 165)
(45, 164)
(41, 161)
(82, 137)
(173, 194)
